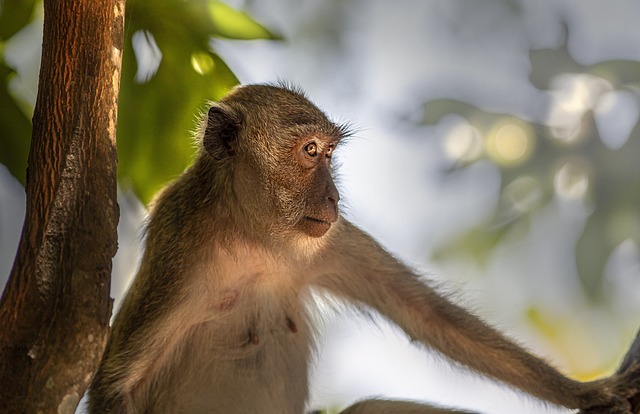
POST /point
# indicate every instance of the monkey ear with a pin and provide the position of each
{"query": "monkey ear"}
(221, 131)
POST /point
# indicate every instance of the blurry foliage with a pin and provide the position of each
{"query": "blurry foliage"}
(15, 125)
(168, 79)
(540, 163)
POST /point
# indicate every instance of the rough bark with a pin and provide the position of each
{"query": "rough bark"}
(56, 307)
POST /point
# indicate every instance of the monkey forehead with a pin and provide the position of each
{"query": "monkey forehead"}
(284, 108)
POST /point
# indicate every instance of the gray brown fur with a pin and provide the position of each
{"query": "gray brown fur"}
(217, 319)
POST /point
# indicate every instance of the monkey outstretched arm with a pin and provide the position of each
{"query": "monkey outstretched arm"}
(380, 281)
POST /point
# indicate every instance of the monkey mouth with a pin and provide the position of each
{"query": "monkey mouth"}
(314, 227)
(318, 221)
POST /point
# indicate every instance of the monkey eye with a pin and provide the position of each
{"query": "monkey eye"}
(330, 149)
(311, 149)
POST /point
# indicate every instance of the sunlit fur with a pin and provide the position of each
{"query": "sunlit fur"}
(219, 316)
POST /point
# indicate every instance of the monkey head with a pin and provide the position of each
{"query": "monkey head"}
(276, 149)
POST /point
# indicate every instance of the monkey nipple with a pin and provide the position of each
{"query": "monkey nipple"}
(254, 339)
(291, 325)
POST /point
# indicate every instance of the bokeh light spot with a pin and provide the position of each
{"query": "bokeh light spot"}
(510, 143)
(463, 142)
(202, 62)
(571, 181)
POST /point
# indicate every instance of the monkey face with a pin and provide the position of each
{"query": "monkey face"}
(289, 192)
(278, 147)
(320, 196)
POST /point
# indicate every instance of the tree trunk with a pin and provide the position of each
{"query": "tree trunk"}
(56, 307)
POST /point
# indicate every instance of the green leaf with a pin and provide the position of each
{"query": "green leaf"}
(156, 118)
(15, 129)
(234, 24)
(14, 15)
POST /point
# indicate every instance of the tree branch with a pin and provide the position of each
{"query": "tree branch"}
(56, 307)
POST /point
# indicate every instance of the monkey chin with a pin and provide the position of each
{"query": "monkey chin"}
(314, 227)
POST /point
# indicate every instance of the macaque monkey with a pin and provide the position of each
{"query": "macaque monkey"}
(217, 318)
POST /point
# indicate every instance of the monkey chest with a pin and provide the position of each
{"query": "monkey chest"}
(251, 323)
(254, 309)
(248, 342)
(252, 352)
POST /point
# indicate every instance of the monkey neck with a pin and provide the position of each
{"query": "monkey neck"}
(209, 182)
(206, 193)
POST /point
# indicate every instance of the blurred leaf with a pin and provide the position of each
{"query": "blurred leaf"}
(572, 342)
(592, 253)
(616, 216)
(549, 63)
(478, 243)
(551, 327)
(437, 109)
(156, 117)
(612, 179)
(15, 128)
(618, 72)
(233, 24)
(546, 64)
(15, 125)
(14, 15)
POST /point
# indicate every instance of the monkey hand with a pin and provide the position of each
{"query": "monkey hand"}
(621, 393)
(615, 406)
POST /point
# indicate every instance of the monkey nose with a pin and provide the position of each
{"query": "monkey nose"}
(332, 206)
(332, 193)
(331, 197)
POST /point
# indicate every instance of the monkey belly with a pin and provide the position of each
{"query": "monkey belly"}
(239, 364)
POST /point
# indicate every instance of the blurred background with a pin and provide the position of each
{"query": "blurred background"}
(497, 151)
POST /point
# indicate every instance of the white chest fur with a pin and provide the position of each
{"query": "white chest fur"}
(251, 337)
